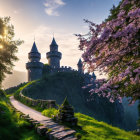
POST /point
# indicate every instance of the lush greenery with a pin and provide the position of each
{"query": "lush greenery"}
(69, 84)
(8, 47)
(94, 130)
(26, 100)
(50, 112)
(12, 90)
(12, 126)
(91, 129)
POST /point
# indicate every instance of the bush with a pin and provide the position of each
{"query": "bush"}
(78, 136)
(50, 112)
(2, 93)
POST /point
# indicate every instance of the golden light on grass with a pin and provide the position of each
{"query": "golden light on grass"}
(1, 46)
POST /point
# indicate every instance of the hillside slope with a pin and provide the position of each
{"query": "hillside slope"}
(61, 85)
(12, 126)
(95, 130)
(90, 129)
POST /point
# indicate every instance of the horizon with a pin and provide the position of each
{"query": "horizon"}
(41, 19)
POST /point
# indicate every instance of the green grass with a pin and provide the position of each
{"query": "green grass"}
(95, 130)
(12, 126)
(49, 112)
(91, 129)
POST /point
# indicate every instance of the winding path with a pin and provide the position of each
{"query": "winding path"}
(58, 131)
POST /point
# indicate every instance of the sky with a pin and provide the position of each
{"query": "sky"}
(40, 19)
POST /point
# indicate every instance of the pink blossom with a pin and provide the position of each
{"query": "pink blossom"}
(113, 48)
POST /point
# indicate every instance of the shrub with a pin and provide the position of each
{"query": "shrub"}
(50, 112)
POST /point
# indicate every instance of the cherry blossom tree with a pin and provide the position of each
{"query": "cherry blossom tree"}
(113, 47)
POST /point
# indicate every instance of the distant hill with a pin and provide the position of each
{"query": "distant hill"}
(14, 79)
(69, 84)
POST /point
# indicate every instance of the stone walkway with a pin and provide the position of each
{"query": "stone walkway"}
(57, 131)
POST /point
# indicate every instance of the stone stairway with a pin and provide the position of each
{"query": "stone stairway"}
(48, 128)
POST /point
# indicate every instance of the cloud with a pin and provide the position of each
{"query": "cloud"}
(52, 5)
(16, 12)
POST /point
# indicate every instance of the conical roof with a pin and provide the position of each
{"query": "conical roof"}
(34, 48)
(54, 42)
(80, 62)
(93, 75)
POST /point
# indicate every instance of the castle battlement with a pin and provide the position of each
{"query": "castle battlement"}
(63, 69)
(36, 69)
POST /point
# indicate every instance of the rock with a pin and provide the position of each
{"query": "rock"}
(41, 130)
(66, 114)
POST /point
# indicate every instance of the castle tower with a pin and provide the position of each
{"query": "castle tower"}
(54, 56)
(93, 76)
(34, 66)
(80, 66)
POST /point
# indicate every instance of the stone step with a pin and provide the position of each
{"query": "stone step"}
(48, 127)
(63, 134)
(70, 138)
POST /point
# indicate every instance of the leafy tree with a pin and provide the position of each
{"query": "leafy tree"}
(8, 47)
(113, 47)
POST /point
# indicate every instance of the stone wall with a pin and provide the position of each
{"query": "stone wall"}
(44, 104)
(63, 69)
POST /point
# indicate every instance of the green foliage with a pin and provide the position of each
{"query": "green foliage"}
(8, 47)
(28, 101)
(11, 90)
(91, 129)
(57, 87)
(50, 112)
(12, 126)
(94, 130)
(69, 84)
(78, 136)
(2, 93)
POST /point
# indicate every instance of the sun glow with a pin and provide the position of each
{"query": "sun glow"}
(1, 46)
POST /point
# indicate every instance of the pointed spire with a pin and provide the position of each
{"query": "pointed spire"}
(80, 62)
(34, 48)
(54, 42)
(93, 75)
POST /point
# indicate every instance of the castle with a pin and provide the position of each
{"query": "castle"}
(36, 69)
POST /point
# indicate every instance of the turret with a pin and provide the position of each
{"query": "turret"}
(93, 76)
(34, 66)
(54, 56)
(80, 66)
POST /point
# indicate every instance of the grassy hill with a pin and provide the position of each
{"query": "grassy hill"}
(91, 129)
(95, 130)
(12, 127)
(69, 84)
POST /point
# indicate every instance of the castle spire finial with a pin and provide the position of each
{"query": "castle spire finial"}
(34, 38)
